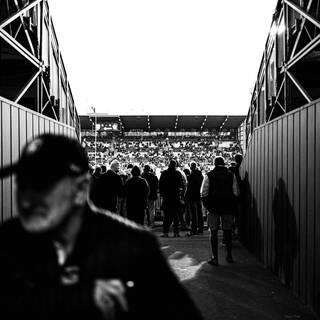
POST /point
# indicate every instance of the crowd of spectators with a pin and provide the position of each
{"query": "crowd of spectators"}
(156, 151)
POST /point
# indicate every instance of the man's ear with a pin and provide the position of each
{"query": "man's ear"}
(82, 188)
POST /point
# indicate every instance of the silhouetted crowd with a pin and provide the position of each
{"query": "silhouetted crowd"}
(172, 195)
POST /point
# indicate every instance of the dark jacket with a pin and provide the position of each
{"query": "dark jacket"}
(136, 192)
(108, 246)
(194, 185)
(106, 189)
(153, 183)
(171, 185)
(221, 198)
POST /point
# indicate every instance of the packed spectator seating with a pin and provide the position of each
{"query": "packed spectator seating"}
(157, 151)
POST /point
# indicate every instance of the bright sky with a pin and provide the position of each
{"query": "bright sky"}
(162, 56)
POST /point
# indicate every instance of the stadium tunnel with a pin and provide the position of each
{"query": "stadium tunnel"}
(280, 221)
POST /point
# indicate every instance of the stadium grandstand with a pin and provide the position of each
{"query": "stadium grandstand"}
(141, 139)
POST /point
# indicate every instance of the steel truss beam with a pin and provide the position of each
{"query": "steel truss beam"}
(25, 30)
(289, 50)
(48, 103)
(303, 52)
(19, 14)
(27, 86)
(20, 48)
(299, 86)
(19, 38)
(17, 32)
(303, 13)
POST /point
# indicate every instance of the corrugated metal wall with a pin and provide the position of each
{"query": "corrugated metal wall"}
(17, 126)
(281, 220)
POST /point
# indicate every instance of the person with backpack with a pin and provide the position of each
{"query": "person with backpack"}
(219, 190)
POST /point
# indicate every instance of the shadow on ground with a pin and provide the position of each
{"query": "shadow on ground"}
(243, 290)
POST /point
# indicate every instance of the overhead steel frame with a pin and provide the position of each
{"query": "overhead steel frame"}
(289, 73)
(27, 30)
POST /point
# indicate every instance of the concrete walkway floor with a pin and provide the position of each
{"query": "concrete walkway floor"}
(243, 290)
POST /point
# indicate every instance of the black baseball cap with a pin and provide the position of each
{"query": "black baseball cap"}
(47, 159)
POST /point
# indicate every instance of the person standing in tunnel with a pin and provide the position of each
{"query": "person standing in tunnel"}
(235, 168)
(219, 190)
(171, 187)
(107, 189)
(153, 183)
(136, 190)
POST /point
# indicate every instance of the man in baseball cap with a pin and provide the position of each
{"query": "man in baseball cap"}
(61, 257)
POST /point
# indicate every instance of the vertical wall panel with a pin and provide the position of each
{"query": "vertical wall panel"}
(283, 177)
(46, 125)
(6, 157)
(254, 194)
(254, 179)
(35, 119)
(296, 201)
(266, 192)
(23, 128)
(1, 154)
(310, 223)
(317, 211)
(283, 166)
(260, 185)
(270, 192)
(41, 125)
(15, 150)
(262, 193)
(15, 137)
(303, 203)
(17, 126)
(274, 184)
(278, 217)
(29, 127)
(290, 184)
(52, 127)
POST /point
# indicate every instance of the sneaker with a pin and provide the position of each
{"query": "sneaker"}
(213, 261)
(165, 235)
(191, 233)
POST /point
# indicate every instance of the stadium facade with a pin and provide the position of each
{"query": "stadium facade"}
(289, 72)
(35, 95)
(281, 168)
(32, 69)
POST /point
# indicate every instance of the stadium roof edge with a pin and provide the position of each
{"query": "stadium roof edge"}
(163, 122)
